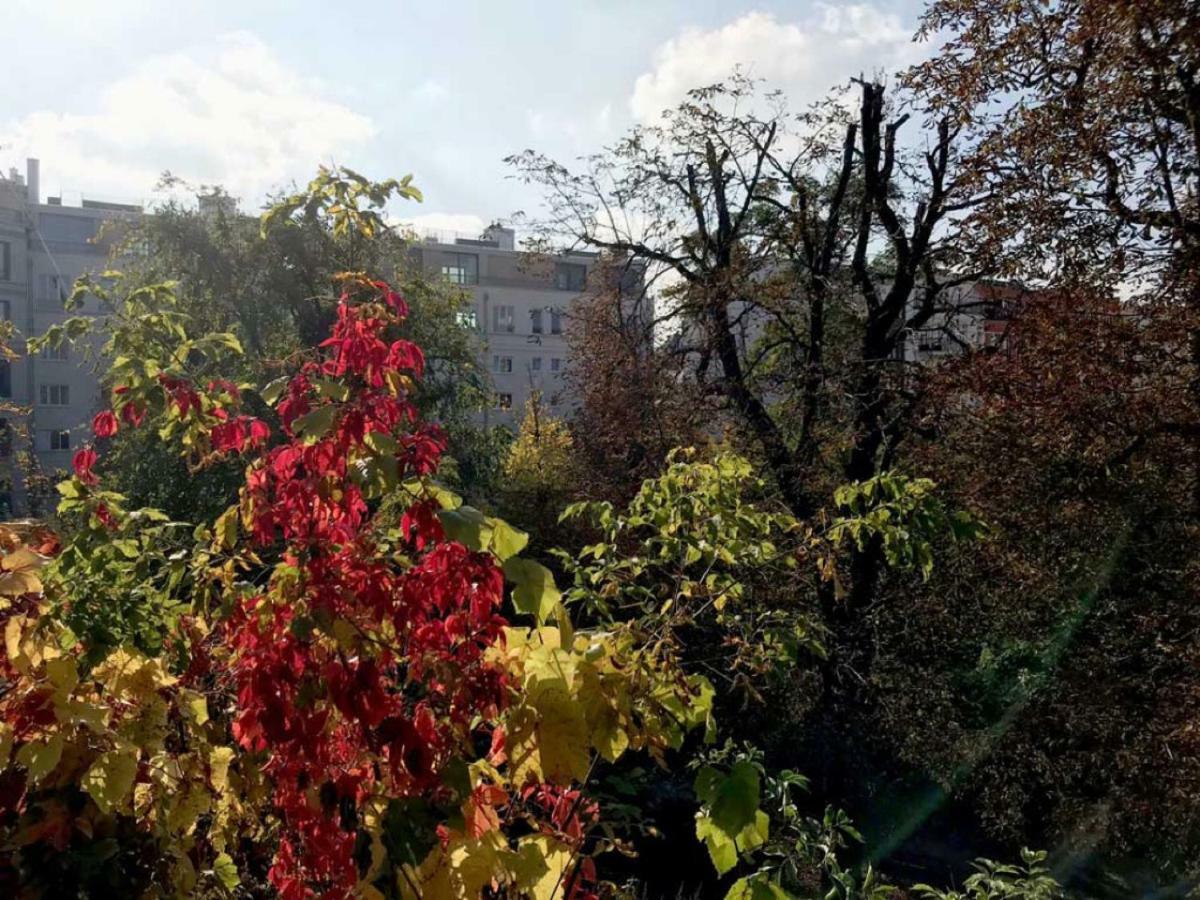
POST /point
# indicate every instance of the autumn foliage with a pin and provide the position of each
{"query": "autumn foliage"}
(343, 704)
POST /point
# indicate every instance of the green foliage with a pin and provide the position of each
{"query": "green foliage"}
(903, 515)
(350, 204)
(1029, 880)
(749, 816)
(131, 573)
(702, 546)
(129, 581)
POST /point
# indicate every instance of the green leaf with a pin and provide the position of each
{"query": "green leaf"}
(226, 529)
(274, 390)
(506, 540)
(466, 525)
(316, 423)
(382, 443)
(409, 831)
(128, 548)
(332, 390)
(226, 871)
(756, 887)
(535, 592)
(732, 799)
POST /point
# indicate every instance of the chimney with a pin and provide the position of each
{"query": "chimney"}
(32, 181)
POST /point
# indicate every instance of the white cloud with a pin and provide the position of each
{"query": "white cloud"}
(804, 59)
(231, 113)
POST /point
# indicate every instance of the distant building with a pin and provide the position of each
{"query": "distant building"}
(521, 304)
(44, 248)
(970, 317)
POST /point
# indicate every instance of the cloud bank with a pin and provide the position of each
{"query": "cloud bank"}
(230, 112)
(804, 59)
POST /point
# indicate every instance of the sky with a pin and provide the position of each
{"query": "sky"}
(254, 95)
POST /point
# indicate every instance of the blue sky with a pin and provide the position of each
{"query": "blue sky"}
(254, 94)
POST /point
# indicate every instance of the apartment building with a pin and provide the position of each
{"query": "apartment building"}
(520, 306)
(44, 248)
(970, 316)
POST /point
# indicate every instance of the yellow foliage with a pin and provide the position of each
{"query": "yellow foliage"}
(109, 735)
(542, 454)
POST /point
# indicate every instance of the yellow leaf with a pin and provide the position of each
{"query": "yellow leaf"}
(562, 738)
(557, 858)
(110, 779)
(225, 529)
(147, 728)
(18, 573)
(22, 652)
(345, 634)
(196, 707)
(602, 704)
(83, 712)
(12, 637)
(63, 676)
(186, 806)
(129, 675)
(6, 743)
(218, 768)
(40, 757)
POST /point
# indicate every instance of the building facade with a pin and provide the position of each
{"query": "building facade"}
(520, 306)
(970, 317)
(44, 248)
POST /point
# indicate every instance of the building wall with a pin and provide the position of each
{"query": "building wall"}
(509, 290)
(50, 246)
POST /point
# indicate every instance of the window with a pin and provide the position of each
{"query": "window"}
(503, 318)
(570, 276)
(467, 319)
(556, 321)
(502, 364)
(55, 394)
(461, 268)
(536, 364)
(60, 353)
(60, 440)
(555, 364)
(504, 401)
(5, 261)
(52, 290)
(71, 229)
(5, 311)
(5, 439)
(535, 321)
(5, 379)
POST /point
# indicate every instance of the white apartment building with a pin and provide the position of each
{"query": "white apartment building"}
(972, 316)
(521, 303)
(44, 248)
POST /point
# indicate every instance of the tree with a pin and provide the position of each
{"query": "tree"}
(1083, 119)
(1062, 641)
(635, 404)
(273, 285)
(318, 691)
(539, 475)
(799, 252)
